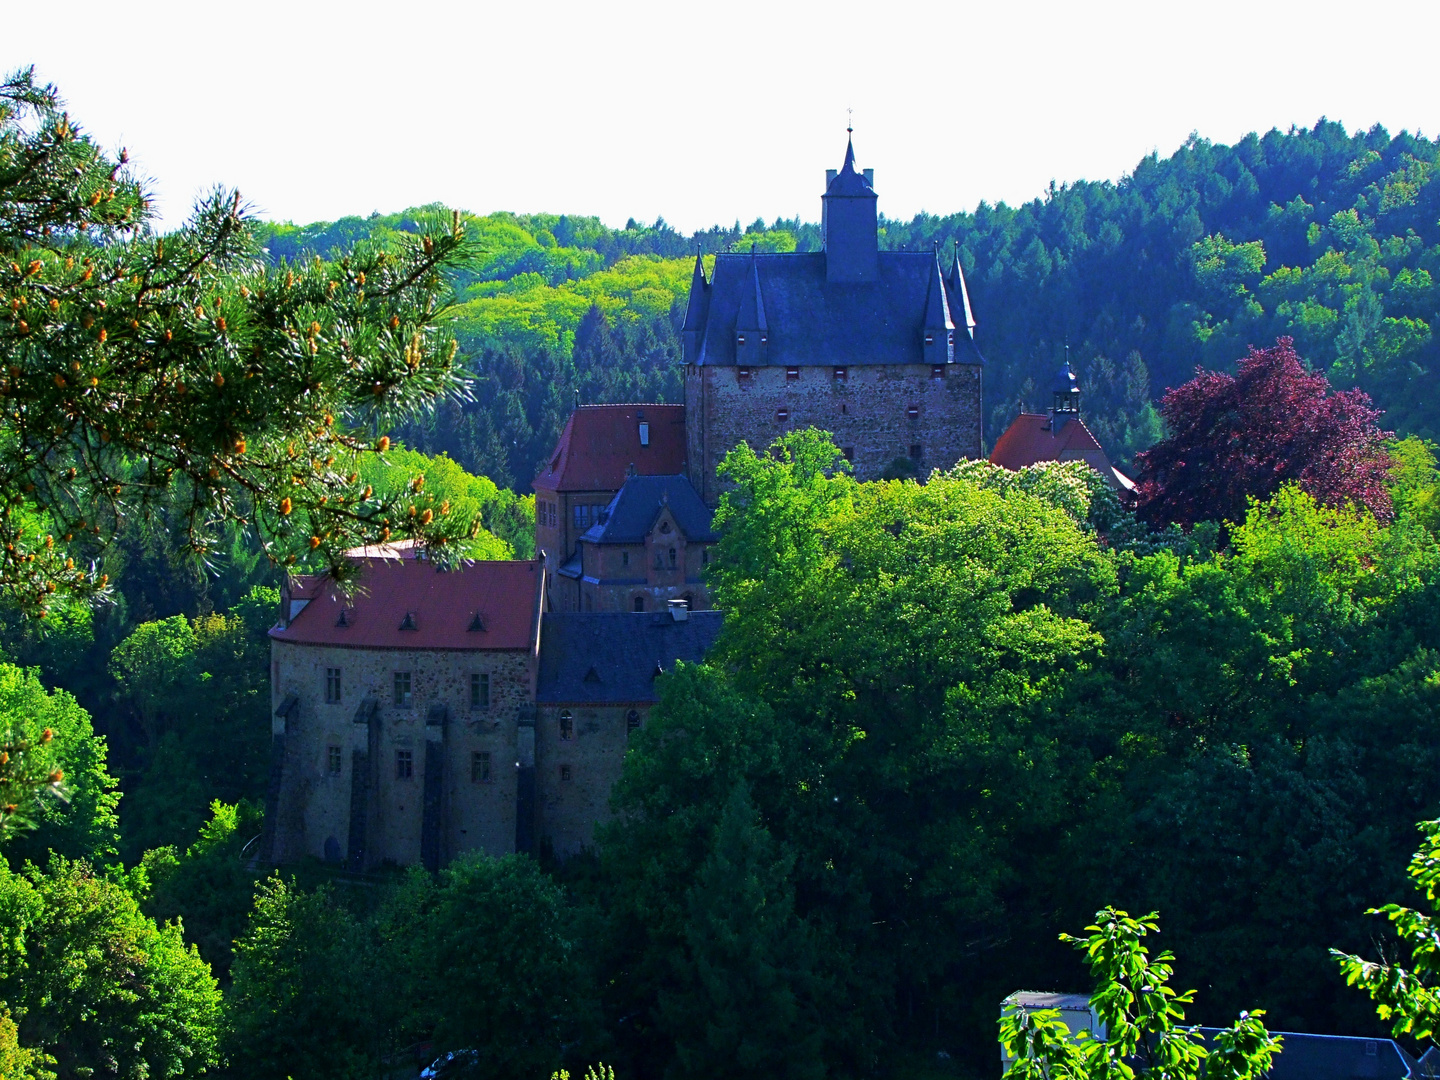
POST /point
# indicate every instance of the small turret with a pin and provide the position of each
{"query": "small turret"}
(1066, 395)
(849, 222)
(939, 327)
(696, 312)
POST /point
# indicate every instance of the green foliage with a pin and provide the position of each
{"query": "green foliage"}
(509, 521)
(209, 887)
(96, 984)
(199, 693)
(83, 823)
(1141, 1020)
(1406, 996)
(1416, 481)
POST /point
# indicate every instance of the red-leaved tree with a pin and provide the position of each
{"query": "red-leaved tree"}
(1271, 423)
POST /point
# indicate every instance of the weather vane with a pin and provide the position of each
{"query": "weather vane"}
(849, 121)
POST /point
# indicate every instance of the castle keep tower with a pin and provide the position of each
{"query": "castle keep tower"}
(874, 346)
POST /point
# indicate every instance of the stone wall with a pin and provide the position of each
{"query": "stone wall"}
(574, 775)
(876, 412)
(314, 802)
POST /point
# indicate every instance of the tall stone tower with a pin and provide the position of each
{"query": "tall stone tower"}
(876, 347)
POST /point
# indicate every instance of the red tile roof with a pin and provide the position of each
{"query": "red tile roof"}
(506, 596)
(601, 441)
(1029, 440)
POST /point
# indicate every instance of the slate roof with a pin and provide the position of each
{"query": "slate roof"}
(848, 182)
(600, 442)
(811, 321)
(597, 658)
(1030, 439)
(632, 512)
(505, 594)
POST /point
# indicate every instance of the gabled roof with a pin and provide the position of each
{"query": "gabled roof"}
(816, 322)
(1033, 437)
(443, 606)
(622, 648)
(601, 442)
(1335, 1057)
(633, 511)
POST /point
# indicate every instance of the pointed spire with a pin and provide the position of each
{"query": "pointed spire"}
(697, 309)
(937, 303)
(959, 294)
(752, 303)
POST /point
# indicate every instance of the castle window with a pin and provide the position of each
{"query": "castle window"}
(332, 685)
(849, 453)
(332, 760)
(567, 725)
(632, 720)
(479, 691)
(792, 374)
(644, 433)
(672, 558)
(740, 340)
(842, 374)
(929, 339)
(913, 412)
(408, 623)
(565, 775)
(625, 558)
(782, 415)
(743, 376)
(480, 767)
(404, 764)
(704, 556)
(659, 561)
(915, 452)
(665, 527)
(639, 603)
(937, 371)
(402, 689)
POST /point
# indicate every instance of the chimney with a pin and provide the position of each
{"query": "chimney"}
(679, 610)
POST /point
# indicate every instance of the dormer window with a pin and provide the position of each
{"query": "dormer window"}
(665, 527)
(343, 620)
(408, 623)
(477, 623)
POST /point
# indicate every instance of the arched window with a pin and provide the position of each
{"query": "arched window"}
(672, 558)
(567, 725)
(632, 721)
(639, 603)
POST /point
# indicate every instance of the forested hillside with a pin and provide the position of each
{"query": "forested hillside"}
(1330, 238)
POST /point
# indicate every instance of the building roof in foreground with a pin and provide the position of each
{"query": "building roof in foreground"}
(1033, 437)
(1336, 1057)
(598, 658)
(409, 604)
(633, 511)
(601, 442)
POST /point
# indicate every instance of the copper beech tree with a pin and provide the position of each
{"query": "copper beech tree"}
(1236, 437)
(137, 367)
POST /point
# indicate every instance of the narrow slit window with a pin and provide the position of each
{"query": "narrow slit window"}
(567, 725)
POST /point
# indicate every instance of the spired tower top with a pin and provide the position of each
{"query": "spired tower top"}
(849, 222)
(1066, 393)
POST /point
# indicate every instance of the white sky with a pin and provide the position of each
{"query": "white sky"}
(704, 113)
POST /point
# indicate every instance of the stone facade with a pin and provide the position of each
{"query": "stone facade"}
(349, 792)
(579, 751)
(877, 413)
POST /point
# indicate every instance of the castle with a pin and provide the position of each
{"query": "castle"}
(488, 708)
